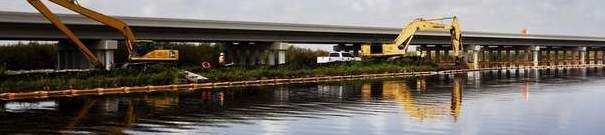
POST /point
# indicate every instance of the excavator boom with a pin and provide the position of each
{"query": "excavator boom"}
(401, 43)
(121, 26)
(404, 38)
(55, 20)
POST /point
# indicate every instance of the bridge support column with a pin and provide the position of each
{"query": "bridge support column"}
(514, 57)
(566, 60)
(509, 58)
(525, 57)
(599, 56)
(603, 56)
(486, 57)
(475, 56)
(490, 57)
(447, 57)
(576, 56)
(582, 51)
(548, 58)
(592, 55)
(437, 55)
(571, 57)
(536, 55)
(499, 56)
(428, 56)
(70, 57)
(279, 49)
(557, 57)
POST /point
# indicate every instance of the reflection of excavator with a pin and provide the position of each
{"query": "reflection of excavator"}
(129, 117)
(400, 92)
(131, 42)
(399, 46)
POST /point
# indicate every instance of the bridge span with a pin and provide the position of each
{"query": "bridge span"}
(22, 25)
(482, 47)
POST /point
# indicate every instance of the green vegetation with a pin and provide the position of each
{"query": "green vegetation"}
(289, 71)
(302, 63)
(153, 75)
(158, 74)
(191, 55)
(301, 57)
(28, 56)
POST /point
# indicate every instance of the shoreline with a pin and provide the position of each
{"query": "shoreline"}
(44, 94)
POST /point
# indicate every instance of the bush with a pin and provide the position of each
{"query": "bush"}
(191, 55)
(301, 57)
(154, 75)
(28, 56)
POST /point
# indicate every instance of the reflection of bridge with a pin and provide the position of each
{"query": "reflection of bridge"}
(248, 42)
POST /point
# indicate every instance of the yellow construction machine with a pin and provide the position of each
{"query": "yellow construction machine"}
(131, 41)
(399, 46)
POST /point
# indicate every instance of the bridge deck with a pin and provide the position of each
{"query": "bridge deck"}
(32, 26)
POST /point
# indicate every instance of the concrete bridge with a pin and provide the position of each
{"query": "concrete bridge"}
(247, 41)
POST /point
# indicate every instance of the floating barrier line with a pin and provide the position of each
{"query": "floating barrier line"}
(265, 82)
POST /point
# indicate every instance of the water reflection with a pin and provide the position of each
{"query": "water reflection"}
(407, 98)
(525, 90)
(389, 105)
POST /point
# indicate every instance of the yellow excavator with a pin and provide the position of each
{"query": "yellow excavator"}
(399, 46)
(125, 31)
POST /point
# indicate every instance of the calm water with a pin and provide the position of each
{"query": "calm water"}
(552, 102)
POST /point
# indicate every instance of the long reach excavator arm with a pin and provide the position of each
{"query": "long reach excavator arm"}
(400, 45)
(405, 36)
(121, 26)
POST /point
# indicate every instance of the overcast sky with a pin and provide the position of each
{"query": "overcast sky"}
(562, 17)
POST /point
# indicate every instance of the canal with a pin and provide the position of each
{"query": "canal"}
(496, 102)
